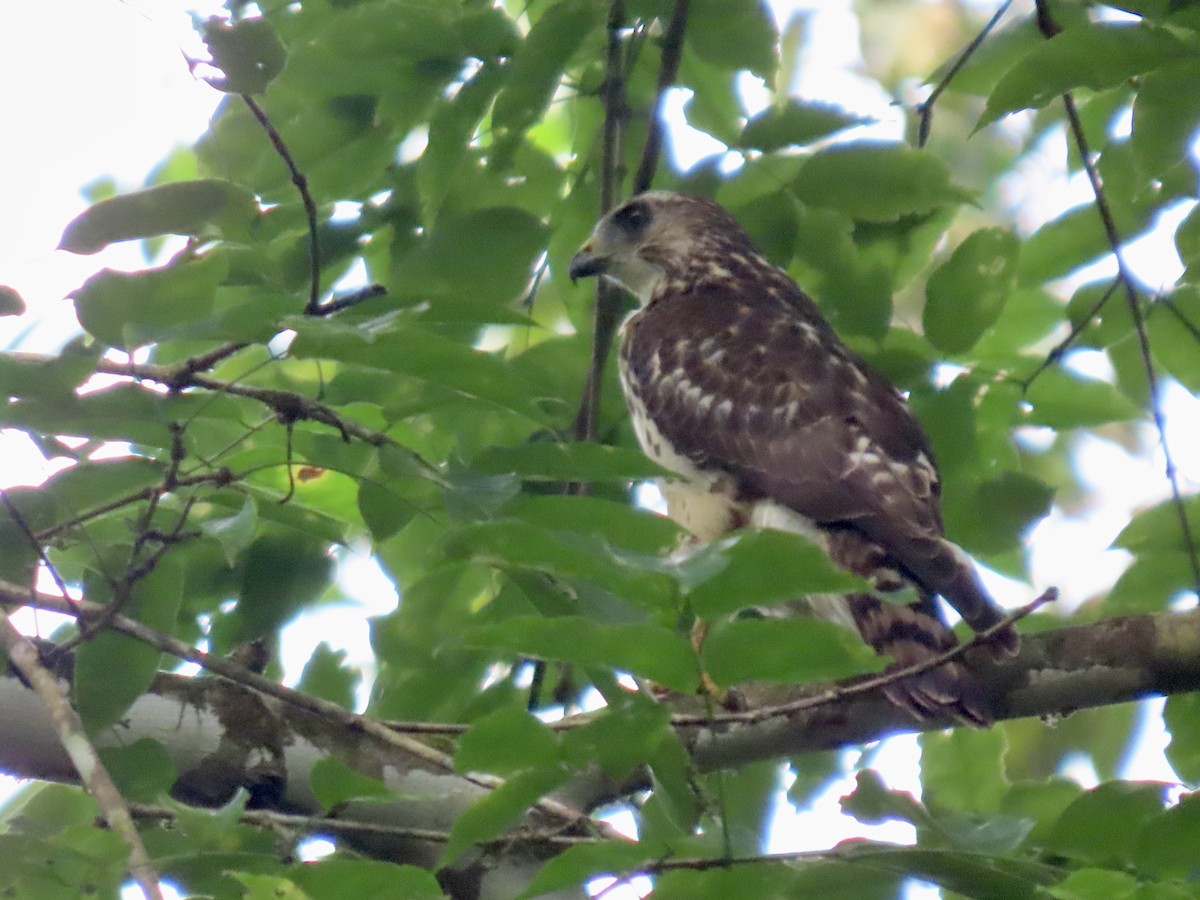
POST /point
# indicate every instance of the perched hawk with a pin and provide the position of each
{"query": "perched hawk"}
(738, 385)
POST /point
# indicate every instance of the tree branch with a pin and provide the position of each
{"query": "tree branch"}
(24, 656)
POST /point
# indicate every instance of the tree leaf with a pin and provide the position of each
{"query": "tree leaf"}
(1158, 528)
(1096, 55)
(735, 34)
(647, 650)
(182, 207)
(535, 70)
(581, 863)
(234, 533)
(797, 122)
(113, 670)
(543, 460)
(1163, 845)
(791, 651)
(248, 52)
(11, 301)
(325, 675)
(339, 876)
(966, 294)
(505, 742)
(1097, 827)
(499, 809)
(129, 310)
(761, 567)
(1062, 400)
(877, 182)
(333, 783)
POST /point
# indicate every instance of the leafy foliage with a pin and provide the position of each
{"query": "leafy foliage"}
(432, 417)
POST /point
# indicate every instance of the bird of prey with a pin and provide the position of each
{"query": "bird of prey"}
(737, 385)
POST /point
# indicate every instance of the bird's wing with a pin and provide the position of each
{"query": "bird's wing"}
(759, 387)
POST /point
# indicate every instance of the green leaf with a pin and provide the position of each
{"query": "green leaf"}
(535, 70)
(505, 742)
(1096, 55)
(340, 876)
(1182, 718)
(760, 567)
(326, 676)
(1098, 827)
(281, 573)
(1062, 400)
(488, 253)
(735, 34)
(1094, 884)
(234, 533)
(333, 782)
(501, 808)
(249, 52)
(784, 650)
(626, 735)
(1158, 528)
(877, 182)
(113, 670)
(872, 802)
(648, 650)
(546, 461)
(580, 863)
(966, 294)
(11, 301)
(421, 354)
(1165, 112)
(1173, 329)
(797, 122)
(183, 207)
(963, 770)
(512, 543)
(1165, 846)
(618, 524)
(142, 771)
(1152, 580)
(1014, 501)
(129, 309)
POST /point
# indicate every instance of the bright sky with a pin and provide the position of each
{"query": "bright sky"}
(98, 89)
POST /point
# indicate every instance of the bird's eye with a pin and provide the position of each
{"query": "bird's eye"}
(632, 218)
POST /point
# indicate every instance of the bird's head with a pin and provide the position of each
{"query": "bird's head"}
(655, 236)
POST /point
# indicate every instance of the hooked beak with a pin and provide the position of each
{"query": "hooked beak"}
(586, 263)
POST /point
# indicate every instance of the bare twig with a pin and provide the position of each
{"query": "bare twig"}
(218, 478)
(874, 683)
(668, 70)
(1058, 350)
(310, 208)
(74, 740)
(35, 544)
(925, 110)
(1050, 28)
(608, 298)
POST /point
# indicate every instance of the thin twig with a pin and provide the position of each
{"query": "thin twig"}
(668, 71)
(874, 683)
(925, 110)
(24, 656)
(219, 478)
(37, 545)
(609, 298)
(1057, 351)
(310, 208)
(1050, 28)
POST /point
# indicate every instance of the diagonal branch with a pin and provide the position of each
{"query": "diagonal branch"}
(92, 773)
(1050, 28)
(312, 307)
